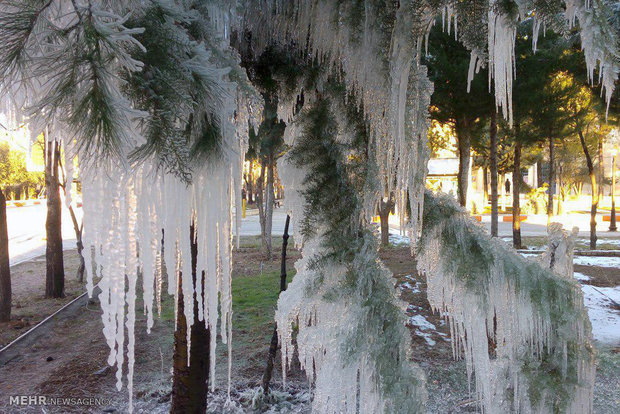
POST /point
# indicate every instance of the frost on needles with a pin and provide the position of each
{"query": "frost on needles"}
(150, 97)
(523, 330)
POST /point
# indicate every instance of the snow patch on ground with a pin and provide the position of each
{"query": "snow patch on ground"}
(421, 322)
(581, 276)
(427, 337)
(398, 239)
(605, 320)
(600, 261)
(424, 329)
(411, 284)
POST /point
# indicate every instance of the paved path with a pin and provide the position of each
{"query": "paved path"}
(27, 228)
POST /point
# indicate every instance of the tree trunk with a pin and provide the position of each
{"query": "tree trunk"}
(464, 144)
(55, 269)
(190, 383)
(539, 175)
(560, 173)
(5, 267)
(273, 347)
(269, 204)
(385, 207)
(260, 203)
(76, 227)
(594, 205)
(516, 204)
(551, 180)
(249, 184)
(485, 190)
(601, 169)
(493, 162)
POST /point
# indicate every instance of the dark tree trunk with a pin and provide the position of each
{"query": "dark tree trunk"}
(5, 267)
(485, 183)
(77, 228)
(464, 144)
(551, 179)
(516, 202)
(601, 169)
(55, 269)
(539, 174)
(273, 347)
(269, 204)
(385, 207)
(493, 162)
(260, 203)
(249, 184)
(79, 274)
(594, 205)
(190, 383)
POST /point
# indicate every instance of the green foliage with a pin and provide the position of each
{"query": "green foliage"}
(552, 373)
(176, 88)
(278, 74)
(13, 172)
(448, 63)
(337, 170)
(18, 23)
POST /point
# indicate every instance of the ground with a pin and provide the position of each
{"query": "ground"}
(28, 288)
(71, 360)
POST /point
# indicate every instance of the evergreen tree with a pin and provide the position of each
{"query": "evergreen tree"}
(466, 107)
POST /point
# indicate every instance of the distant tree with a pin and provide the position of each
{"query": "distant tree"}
(586, 119)
(271, 73)
(14, 176)
(5, 268)
(78, 227)
(537, 118)
(451, 102)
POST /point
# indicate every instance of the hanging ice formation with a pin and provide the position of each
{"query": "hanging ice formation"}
(522, 330)
(109, 106)
(375, 47)
(393, 92)
(153, 159)
(351, 341)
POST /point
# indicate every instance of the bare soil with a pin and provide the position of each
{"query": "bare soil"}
(600, 276)
(71, 362)
(29, 305)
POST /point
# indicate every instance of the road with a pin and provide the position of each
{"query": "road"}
(26, 227)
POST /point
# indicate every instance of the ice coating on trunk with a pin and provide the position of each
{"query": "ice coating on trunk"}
(559, 254)
(523, 331)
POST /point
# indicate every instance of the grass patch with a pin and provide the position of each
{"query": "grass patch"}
(254, 242)
(254, 303)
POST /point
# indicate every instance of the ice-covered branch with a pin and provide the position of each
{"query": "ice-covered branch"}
(523, 330)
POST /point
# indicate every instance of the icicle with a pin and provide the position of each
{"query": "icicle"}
(501, 39)
(535, 33)
(531, 316)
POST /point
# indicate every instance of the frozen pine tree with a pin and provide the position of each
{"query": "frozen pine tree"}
(153, 100)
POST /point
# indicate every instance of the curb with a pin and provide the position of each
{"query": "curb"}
(15, 348)
(592, 253)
